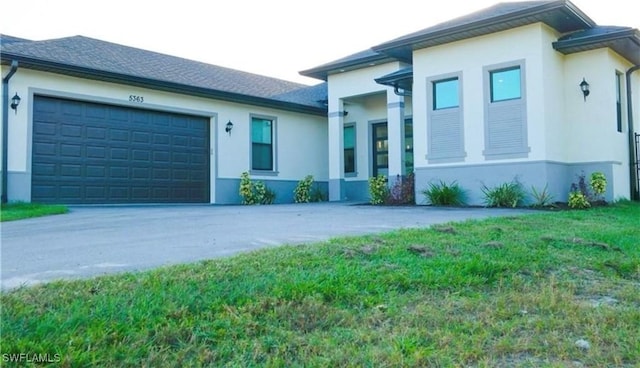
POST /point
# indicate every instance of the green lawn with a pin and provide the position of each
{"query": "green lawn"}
(20, 210)
(507, 292)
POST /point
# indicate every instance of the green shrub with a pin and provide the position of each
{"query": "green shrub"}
(598, 183)
(255, 193)
(378, 190)
(505, 195)
(542, 198)
(582, 195)
(246, 189)
(263, 195)
(443, 194)
(578, 200)
(302, 192)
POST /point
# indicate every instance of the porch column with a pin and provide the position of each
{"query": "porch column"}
(336, 150)
(395, 130)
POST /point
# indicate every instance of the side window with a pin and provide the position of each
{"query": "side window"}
(262, 149)
(505, 84)
(349, 149)
(505, 111)
(445, 123)
(619, 101)
(446, 94)
(408, 145)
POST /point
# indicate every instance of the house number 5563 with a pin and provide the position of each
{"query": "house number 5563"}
(134, 98)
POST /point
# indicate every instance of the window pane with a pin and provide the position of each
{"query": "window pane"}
(261, 157)
(261, 147)
(505, 84)
(349, 160)
(261, 131)
(349, 149)
(445, 94)
(619, 101)
(349, 137)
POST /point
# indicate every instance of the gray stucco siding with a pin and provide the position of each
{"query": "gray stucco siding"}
(557, 176)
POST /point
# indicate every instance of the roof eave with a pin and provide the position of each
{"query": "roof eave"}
(610, 40)
(402, 48)
(322, 72)
(94, 74)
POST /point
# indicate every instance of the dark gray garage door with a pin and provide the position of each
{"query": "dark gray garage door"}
(94, 153)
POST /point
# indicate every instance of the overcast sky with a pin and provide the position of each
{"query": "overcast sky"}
(276, 38)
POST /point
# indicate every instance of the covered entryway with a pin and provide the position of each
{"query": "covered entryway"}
(90, 153)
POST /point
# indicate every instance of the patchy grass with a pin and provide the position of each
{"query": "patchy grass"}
(507, 292)
(20, 210)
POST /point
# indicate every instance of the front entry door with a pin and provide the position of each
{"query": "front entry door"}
(380, 149)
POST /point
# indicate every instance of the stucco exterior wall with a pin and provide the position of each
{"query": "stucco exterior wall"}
(469, 57)
(564, 131)
(366, 103)
(592, 134)
(301, 141)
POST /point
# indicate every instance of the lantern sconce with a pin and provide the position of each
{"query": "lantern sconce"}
(228, 127)
(584, 87)
(15, 101)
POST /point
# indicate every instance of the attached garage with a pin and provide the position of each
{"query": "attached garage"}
(86, 152)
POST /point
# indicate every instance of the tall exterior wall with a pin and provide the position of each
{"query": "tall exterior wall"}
(301, 139)
(565, 134)
(592, 127)
(469, 57)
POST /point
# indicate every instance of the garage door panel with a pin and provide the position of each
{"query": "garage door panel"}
(140, 155)
(70, 150)
(44, 169)
(97, 152)
(70, 170)
(72, 108)
(95, 132)
(45, 128)
(95, 171)
(141, 137)
(141, 173)
(119, 154)
(95, 192)
(71, 131)
(93, 153)
(45, 149)
(118, 114)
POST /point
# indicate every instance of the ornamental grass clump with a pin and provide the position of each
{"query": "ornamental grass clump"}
(504, 195)
(445, 194)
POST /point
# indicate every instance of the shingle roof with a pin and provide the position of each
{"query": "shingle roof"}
(624, 40)
(7, 40)
(559, 14)
(85, 56)
(562, 15)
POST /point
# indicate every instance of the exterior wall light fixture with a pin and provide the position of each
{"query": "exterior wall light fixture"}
(584, 86)
(228, 127)
(15, 101)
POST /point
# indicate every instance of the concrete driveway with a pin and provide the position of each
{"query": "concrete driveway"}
(91, 241)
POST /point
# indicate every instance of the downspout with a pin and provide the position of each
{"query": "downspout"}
(5, 129)
(633, 169)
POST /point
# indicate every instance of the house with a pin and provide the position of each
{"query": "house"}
(486, 99)
(533, 91)
(99, 122)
